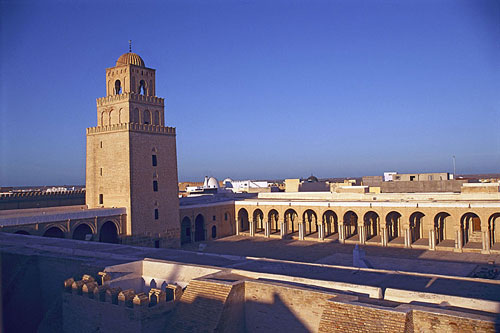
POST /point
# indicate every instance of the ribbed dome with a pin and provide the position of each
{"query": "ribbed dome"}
(130, 58)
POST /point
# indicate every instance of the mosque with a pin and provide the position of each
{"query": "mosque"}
(132, 199)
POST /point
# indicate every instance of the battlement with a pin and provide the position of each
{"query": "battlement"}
(130, 96)
(101, 290)
(30, 194)
(132, 127)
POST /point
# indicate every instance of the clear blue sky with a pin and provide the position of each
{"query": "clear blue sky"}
(259, 89)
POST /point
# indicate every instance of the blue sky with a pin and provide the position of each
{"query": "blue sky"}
(259, 89)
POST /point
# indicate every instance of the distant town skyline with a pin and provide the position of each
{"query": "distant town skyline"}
(259, 90)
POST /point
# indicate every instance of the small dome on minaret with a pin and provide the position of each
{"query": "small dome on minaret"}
(130, 58)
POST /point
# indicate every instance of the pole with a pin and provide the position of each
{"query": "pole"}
(454, 167)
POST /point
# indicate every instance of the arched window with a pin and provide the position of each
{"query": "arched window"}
(147, 117)
(142, 87)
(118, 87)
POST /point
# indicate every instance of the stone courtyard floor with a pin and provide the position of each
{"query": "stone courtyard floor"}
(390, 258)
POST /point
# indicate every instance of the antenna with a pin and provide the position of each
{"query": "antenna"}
(129, 45)
(454, 167)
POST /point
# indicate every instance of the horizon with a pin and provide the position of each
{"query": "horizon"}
(260, 90)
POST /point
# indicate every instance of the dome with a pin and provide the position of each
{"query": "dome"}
(212, 183)
(312, 179)
(130, 58)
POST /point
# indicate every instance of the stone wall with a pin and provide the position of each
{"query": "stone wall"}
(422, 186)
(41, 199)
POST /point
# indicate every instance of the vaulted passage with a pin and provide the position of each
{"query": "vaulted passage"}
(82, 232)
(199, 228)
(54, 232)
(186, 230)
(243, 219)
(108, 233)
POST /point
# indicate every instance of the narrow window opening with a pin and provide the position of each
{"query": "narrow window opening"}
(213, 218)
(225, 216)
(101, 144)
(101, 199)
(142, 87)
(101, 171)
(214, 232)
(118, 87)
(155, 185)
(156, 214)
(155, 161)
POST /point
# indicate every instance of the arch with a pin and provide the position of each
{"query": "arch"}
(186, 230)
(108, 233)
(105, 119)
(118, 87)
(494, 230)
(214, 232)
(135, 116)
(311, 221)
(442, 227)
(147, 117)
(156, 120)
(114, 117)
(22, 232)
(416, 226)
(372, 224)
(142, 87)
(350, 224)
(243, 220)
(54, 232)
(331, 222)
(258, 219)
(81, 231)
(121, 116)
(291, 221)
(199, 228)
(470, 225)
(273, 217)
(393, 225)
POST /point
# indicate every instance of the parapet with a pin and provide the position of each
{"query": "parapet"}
(100, 290)
(132, 127)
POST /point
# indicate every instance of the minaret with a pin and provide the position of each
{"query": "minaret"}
(131, 156)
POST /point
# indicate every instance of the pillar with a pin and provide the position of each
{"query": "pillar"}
(252, 228)
(458, 240)
(341, 233)
(385, 237)
(407, 238)
(302, 227)
(283, 230)
(362, 234)
(267, 229)
(432, 239)
(237, 227)
(486, 241)
(321, 232)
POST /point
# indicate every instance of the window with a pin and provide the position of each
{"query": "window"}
(156, 214)
(155, 185)
(101, 171)
(101, 144)
(142, 88)
(214, 232)
(412, 178)
(213, 218)
(101, 199)
(225, 216)
(118, 87)
(155, 161)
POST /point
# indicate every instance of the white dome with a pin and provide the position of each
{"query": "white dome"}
(212, 183)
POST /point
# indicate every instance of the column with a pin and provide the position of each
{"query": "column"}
(237, 227)
(362, 234)
(267, 229)
(341, 233)
(252, 228)
(302, 226)
(458, 240)
(486, 240)
(385, 237)
(407, 238)
(321, 232)
(432, 239)
(283, 230)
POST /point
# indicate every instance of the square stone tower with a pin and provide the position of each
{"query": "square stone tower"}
(131, 156)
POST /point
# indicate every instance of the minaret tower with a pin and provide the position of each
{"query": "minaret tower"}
(131, 156)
